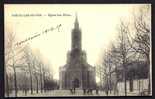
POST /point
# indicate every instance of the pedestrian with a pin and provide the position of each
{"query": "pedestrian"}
(97, 90)
(71, 90)
(74, 90)
(91, 91)
(84, 91)
(106, 92)
(88, 91)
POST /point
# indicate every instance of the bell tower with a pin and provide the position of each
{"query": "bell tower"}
(76, 36)
(77, 73)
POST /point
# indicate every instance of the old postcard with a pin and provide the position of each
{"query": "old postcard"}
(77, 50)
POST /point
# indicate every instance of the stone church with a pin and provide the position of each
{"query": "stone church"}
(77, 72)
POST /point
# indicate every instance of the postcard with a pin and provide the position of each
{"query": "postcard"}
(77, 50)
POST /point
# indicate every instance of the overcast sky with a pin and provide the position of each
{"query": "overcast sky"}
(98, 24)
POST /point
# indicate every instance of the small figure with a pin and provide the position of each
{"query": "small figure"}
(71, 91)
(74, 90)
(84, 91)
(97, 90)
(88, 91)
(106, 92)
(91, 91)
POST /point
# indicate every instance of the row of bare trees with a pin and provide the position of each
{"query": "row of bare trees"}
(24, 68)
(132, 44)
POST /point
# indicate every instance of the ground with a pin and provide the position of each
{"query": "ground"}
(63, 93)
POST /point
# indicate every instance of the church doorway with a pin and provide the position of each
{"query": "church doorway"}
(76, 83)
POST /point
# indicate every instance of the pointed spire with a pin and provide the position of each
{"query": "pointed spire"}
(76, 20)
(76, 24)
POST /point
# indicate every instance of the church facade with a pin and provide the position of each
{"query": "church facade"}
(77, 73)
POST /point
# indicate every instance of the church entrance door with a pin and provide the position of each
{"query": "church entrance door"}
(76, 83)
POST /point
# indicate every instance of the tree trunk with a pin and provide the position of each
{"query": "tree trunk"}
(125, 89)
(15, 81)
(41, 83)
(44, 81)
(125, 85)
(142, 85)
(31, 82)
(139, 85)
(109, 74)
(37, 85)
(25, 84)
(7, 84)
(107, 86)
(149, 74)
(116, 89)
(110, 83)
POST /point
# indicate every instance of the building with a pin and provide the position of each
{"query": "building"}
(77, 72)
(136, 79)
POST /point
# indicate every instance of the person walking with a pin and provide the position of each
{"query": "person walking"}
(97, 91)
(84, 91)
(71, 90)
(91, 91)
(106, 92)
(74, 89)
(88, 91)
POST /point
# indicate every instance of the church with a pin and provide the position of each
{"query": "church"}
(77, 73)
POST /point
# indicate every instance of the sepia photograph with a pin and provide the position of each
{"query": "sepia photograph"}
(59, 50)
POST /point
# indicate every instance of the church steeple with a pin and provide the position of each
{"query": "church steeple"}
(76, 24)
(76, 35)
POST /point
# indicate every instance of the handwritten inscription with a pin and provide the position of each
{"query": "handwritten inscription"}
(39, 34)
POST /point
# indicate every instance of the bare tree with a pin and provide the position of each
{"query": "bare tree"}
(40, 65)
(28, 60)
(25, 71)
(110, 62)
(39, 70)
(107, 71)
(124, 50)
(9, 40)
(115, 62)
(100, 74)
(142, 25)
(47, 76)
(12, 58)
(36, 73)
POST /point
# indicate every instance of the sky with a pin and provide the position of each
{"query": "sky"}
(98, 23)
